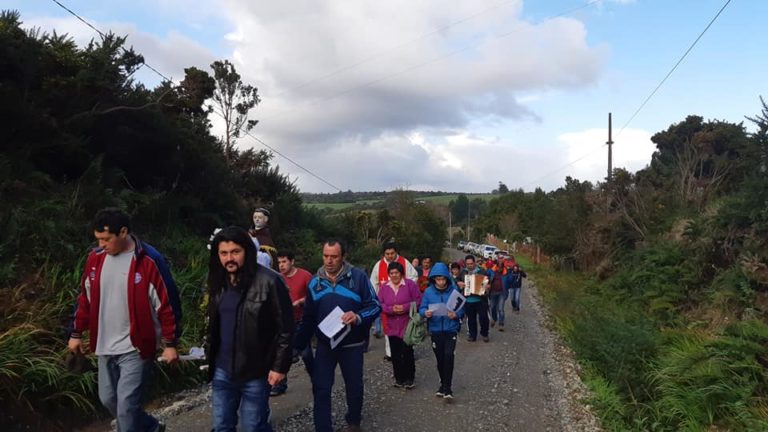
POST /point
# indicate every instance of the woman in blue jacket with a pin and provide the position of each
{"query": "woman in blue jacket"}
(442, 328)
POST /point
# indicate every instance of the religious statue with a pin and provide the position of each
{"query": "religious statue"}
(260, 232)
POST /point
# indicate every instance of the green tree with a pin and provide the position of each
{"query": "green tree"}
(233, 100)
(460, 209)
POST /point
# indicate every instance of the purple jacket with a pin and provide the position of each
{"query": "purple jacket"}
(409, 292)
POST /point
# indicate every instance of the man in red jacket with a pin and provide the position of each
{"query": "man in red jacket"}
(126, 293)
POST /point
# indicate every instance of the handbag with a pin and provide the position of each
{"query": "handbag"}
(416, 330)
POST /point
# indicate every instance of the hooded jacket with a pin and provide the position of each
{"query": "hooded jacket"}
(352, 291)
(440, 324)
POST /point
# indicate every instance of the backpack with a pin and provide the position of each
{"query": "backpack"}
(416, 330)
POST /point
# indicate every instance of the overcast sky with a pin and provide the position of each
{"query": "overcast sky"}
(450, 95)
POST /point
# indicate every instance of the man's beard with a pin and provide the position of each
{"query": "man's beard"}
(227, 267)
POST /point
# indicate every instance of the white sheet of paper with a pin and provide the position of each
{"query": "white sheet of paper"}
(195, 353)
(332, 324)
(333, 327)
(455, 301)
(438, 309)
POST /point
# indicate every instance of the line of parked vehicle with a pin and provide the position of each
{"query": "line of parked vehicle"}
(484, 250)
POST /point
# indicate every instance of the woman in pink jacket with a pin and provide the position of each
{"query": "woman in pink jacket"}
(396, 296)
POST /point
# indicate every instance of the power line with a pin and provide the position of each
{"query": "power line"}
(282, 155)
(104, 36)
(555, 171)
(84, 21)
(679, 61)
(674, 67)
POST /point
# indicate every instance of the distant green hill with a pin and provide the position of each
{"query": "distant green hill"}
(366, 200)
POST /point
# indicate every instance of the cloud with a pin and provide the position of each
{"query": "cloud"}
(376, 95)
(631, 150)
(346, 79)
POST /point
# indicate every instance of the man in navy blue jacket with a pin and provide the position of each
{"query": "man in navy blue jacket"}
(337, 283)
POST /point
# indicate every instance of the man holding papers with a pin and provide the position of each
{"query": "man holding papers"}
(340, 308)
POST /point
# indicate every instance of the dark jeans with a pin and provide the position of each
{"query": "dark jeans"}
(497, 307)
(403, 363)
(350, 359)
(444, 347)
(475, 311)
(308, 358)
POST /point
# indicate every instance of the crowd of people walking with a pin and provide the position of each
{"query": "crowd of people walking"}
(260, 322)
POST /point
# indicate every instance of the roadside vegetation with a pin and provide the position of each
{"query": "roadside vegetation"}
(658, 279)
(77, 134)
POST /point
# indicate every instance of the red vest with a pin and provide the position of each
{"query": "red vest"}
(384, 273)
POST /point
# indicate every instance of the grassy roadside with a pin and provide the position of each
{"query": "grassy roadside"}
(36, 389)
(646, 374)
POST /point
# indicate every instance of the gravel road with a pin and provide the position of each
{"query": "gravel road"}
(524, 379)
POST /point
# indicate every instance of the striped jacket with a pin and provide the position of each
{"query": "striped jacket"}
(153, 301)
(351, 292)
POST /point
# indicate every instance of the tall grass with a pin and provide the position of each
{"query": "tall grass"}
(651, 369)
(34, 380)
(35, 386)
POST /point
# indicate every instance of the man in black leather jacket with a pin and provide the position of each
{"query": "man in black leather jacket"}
(251, 330)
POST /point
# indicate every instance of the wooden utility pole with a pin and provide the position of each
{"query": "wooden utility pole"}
(610, 149)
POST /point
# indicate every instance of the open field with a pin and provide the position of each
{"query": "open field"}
(445, 199)
(437, 199)
(341, 206)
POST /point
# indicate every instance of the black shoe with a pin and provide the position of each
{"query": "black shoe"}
(440, 392)
(486, 339)
(387, 358)
(448, 396)
(398, 385)
(276, 392)
(471, 339)
(409, 385)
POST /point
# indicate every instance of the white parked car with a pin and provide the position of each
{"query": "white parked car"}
(470, 247)
(489, 251)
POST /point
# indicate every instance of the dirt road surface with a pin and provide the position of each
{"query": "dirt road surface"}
(522, 380)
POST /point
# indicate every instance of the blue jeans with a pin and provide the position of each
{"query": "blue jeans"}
(251, 398)
(515, 294)
(351, 361)
(497, 307)
(121, 378)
